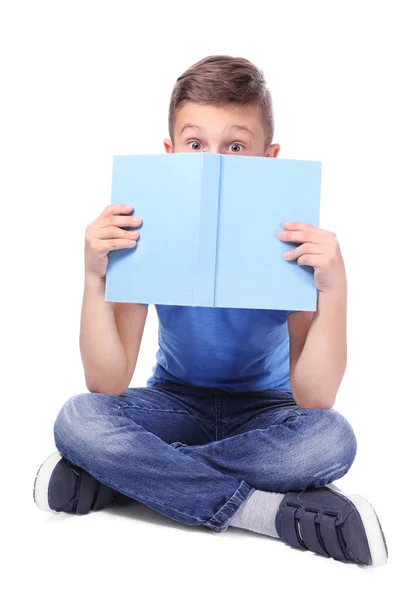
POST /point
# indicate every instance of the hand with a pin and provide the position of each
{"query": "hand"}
(105, 234)
(319, 249)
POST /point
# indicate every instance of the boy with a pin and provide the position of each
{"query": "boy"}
(236, 425)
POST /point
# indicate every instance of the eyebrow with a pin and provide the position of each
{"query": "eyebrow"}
(190, 126)
(242, 128)
(238, 127)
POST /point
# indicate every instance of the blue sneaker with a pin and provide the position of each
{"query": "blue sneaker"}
(333, 524)
(62, 487)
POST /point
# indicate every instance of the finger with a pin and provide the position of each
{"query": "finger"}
(104, 246)
(295, 226)
(120, 221)
(115, 209)
(314, 249)
(311, 260)
(300, 236)
(110, 233)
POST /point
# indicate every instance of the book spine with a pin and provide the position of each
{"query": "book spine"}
(204, 289)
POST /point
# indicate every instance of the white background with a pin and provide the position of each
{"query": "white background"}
(82, 81)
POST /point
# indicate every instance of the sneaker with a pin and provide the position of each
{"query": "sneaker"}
(333, 524)
(63, 487)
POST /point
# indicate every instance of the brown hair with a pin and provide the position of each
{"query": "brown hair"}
(223, 80)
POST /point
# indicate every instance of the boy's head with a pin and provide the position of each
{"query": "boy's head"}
(221, 104)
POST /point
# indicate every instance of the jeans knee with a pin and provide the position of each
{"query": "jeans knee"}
(311, 448)
(337, 443)
(343, 439)
(92, 428)
(72, 427)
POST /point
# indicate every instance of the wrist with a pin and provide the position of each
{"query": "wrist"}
(333, 299)
(94, 283)
(338, 291)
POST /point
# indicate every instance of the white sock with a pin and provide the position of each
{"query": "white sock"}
(258, 513)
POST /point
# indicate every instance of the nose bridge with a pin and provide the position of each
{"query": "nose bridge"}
(213, 141)
(214, 147)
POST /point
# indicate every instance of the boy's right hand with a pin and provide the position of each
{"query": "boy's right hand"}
(105, 234)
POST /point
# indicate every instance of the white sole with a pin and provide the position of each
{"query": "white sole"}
(41, 485)
(371, 525)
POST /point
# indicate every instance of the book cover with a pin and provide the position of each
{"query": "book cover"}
(209, 233)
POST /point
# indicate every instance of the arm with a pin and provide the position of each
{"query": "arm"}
(318, 344)
(318, 351)
(110, 333)
(110, 337)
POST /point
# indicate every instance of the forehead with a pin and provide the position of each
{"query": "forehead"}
(215, 118)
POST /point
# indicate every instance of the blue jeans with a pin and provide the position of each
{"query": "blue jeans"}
(195, 454)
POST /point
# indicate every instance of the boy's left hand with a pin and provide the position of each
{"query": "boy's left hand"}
(319, 249)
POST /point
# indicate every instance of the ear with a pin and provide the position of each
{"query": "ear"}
(273, 151)
(168, 145)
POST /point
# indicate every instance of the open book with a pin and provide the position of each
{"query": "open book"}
(209, 233)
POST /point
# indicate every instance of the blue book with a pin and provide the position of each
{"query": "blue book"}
(209, 233)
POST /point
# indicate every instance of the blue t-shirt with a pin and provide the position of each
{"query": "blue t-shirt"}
(230, 349)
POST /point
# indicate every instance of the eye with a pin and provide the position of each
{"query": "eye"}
(236, 147)
(195, 145)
